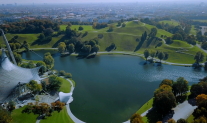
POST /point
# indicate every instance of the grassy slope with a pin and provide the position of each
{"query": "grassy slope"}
(170, 22)
(19, 117)
(178, 43)
(200, 20)
(58, 117)
(193, 31)
(85, 27)
(66, 86)
(145, 107)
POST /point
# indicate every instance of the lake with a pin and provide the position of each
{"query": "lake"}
(110, 88)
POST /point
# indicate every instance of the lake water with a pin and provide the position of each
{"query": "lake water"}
(110, 88)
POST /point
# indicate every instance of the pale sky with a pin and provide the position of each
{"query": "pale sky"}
(87, 1)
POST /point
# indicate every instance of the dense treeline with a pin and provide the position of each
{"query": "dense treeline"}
(99, 25)
(34, 26)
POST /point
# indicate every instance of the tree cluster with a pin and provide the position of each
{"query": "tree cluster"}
(5, 116)
(159, 54)
(165, 97)
(99, 25)
(34, 86)
(34, 26)
(48, 60)
(136, 118)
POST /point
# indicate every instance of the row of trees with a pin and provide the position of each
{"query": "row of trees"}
(34, 26)
(159, 54)
(43, 109)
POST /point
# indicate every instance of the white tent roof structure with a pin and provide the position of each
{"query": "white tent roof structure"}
(65, 97)
(11, 75)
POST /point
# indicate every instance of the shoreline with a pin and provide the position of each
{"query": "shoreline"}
(123, 53)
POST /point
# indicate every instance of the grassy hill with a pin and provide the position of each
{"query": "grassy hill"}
(179, 43)
(125, 40)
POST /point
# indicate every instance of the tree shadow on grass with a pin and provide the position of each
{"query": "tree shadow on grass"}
(60, 40)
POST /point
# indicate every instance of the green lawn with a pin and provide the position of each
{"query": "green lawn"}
(190, 118)
(19, 117)
(200, 20)
(58, 117)
(145, 107)
(85, 27)
(66, 86)
(170, 22)
(179, 43)
(193, 31)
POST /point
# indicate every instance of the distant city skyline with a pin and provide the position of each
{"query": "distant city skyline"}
(90, 1)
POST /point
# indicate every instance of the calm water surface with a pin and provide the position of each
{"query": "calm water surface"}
(110, 88)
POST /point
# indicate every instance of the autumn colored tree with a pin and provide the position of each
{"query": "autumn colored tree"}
(166, 82)
(171, 121)
(57, 105)
(5, 116)
(136, 118)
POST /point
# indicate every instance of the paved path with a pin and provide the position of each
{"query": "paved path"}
(199, 46)
(183, 110)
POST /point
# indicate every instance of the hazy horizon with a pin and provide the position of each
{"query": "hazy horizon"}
(92, 1)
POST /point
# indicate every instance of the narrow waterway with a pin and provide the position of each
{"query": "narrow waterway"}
(110, 88)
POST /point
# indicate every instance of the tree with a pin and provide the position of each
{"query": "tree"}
(18, 58)
(34, 86)
(43, 68)
(80, 28)
(123, 24)
(41, 37)
(182, 121)
(25, 45)
(68, 75)
(11, 106)
(177, 36)
(86, 49)
(62, 73)
(54, 83)
(31, 65)
(199, 57)
(5, 116)
(96, 48)
(111, 28)
(61, 47)
(171, 121)
(180, 86)
(164, 101)
(48, 32)
(71, 48)
(136, 118)
(152, 54)
(146, 54)
(48, 59)
(168, 40)
(166, 82)
(166, 56)
(153, 32)
(161, 55)
(196, 89)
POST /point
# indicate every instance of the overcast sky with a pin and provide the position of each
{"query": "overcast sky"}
(86, 1)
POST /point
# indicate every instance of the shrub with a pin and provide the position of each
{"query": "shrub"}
(68, 75)
(62, 73)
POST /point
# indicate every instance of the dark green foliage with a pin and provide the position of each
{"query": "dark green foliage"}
(34, 86)
(199, 57)
(68, 75)
(99, 25)
(146, 54)
(54, 83)
(111, 47)
(61, 73)
(71, 48)
(204, 45)
(18, 58)
(182, 121)
(80, 28)
(43, 66)
(33, 26)
(180, 86)
(169, 40)
(100, 36)
(196, 89)
(177, 37)
(11, 106)
(161, 56)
